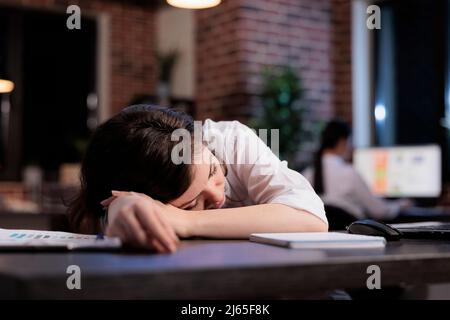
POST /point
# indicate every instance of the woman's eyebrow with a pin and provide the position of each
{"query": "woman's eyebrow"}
(209, 175)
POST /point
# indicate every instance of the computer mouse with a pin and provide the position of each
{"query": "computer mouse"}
(370, 227)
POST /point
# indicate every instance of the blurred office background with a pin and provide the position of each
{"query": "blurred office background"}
(317, 56)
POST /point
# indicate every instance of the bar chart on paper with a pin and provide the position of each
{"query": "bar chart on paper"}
(16, 239)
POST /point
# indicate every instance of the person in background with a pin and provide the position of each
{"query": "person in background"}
(339, 184)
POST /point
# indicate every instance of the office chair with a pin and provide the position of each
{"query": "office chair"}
(338, 218)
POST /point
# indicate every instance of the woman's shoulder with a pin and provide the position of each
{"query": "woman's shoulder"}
(233, 142)
(229, 134)
(224, 126)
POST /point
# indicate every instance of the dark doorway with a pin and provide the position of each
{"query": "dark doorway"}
(55, 74)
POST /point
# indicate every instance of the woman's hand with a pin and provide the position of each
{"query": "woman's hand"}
(140, 221)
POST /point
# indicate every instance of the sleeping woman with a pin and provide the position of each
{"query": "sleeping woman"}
(133, 185)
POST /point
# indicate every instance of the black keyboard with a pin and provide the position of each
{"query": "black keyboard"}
(437, 227)
(437, 231)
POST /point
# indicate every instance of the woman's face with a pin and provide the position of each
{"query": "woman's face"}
(207, 188)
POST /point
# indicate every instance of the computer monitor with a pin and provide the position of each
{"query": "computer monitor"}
(397, 172)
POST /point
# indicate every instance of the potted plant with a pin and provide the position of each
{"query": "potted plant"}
(282, 109)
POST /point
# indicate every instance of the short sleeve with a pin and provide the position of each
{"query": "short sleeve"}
(266, 178)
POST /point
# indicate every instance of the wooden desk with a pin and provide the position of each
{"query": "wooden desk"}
(220, 269)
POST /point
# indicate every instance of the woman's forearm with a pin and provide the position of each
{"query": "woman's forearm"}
(240, 222)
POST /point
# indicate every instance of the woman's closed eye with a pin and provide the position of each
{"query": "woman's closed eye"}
(212, 171)
(191, 206)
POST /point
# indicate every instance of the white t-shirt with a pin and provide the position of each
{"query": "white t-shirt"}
(344, 188)
(255, 174)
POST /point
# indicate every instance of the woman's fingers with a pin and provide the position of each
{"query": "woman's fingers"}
(139, 222)
(107, 202)
(116, 230)
(131, 232)
(157, 245)
(117, 193)
(168, 228)
(155, 229)
(136, 234)
(138, 237)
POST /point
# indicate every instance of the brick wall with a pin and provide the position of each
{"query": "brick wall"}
(341, 59)
(218, 60)
(132, 43)
(233, 42)
(236, 39)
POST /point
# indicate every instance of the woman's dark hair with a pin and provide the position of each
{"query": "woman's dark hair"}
(334, 131)
(130, 152)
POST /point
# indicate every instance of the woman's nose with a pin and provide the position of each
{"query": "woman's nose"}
(214, 198)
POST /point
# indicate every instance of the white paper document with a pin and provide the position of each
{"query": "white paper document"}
(15, 239)
(319, 240)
